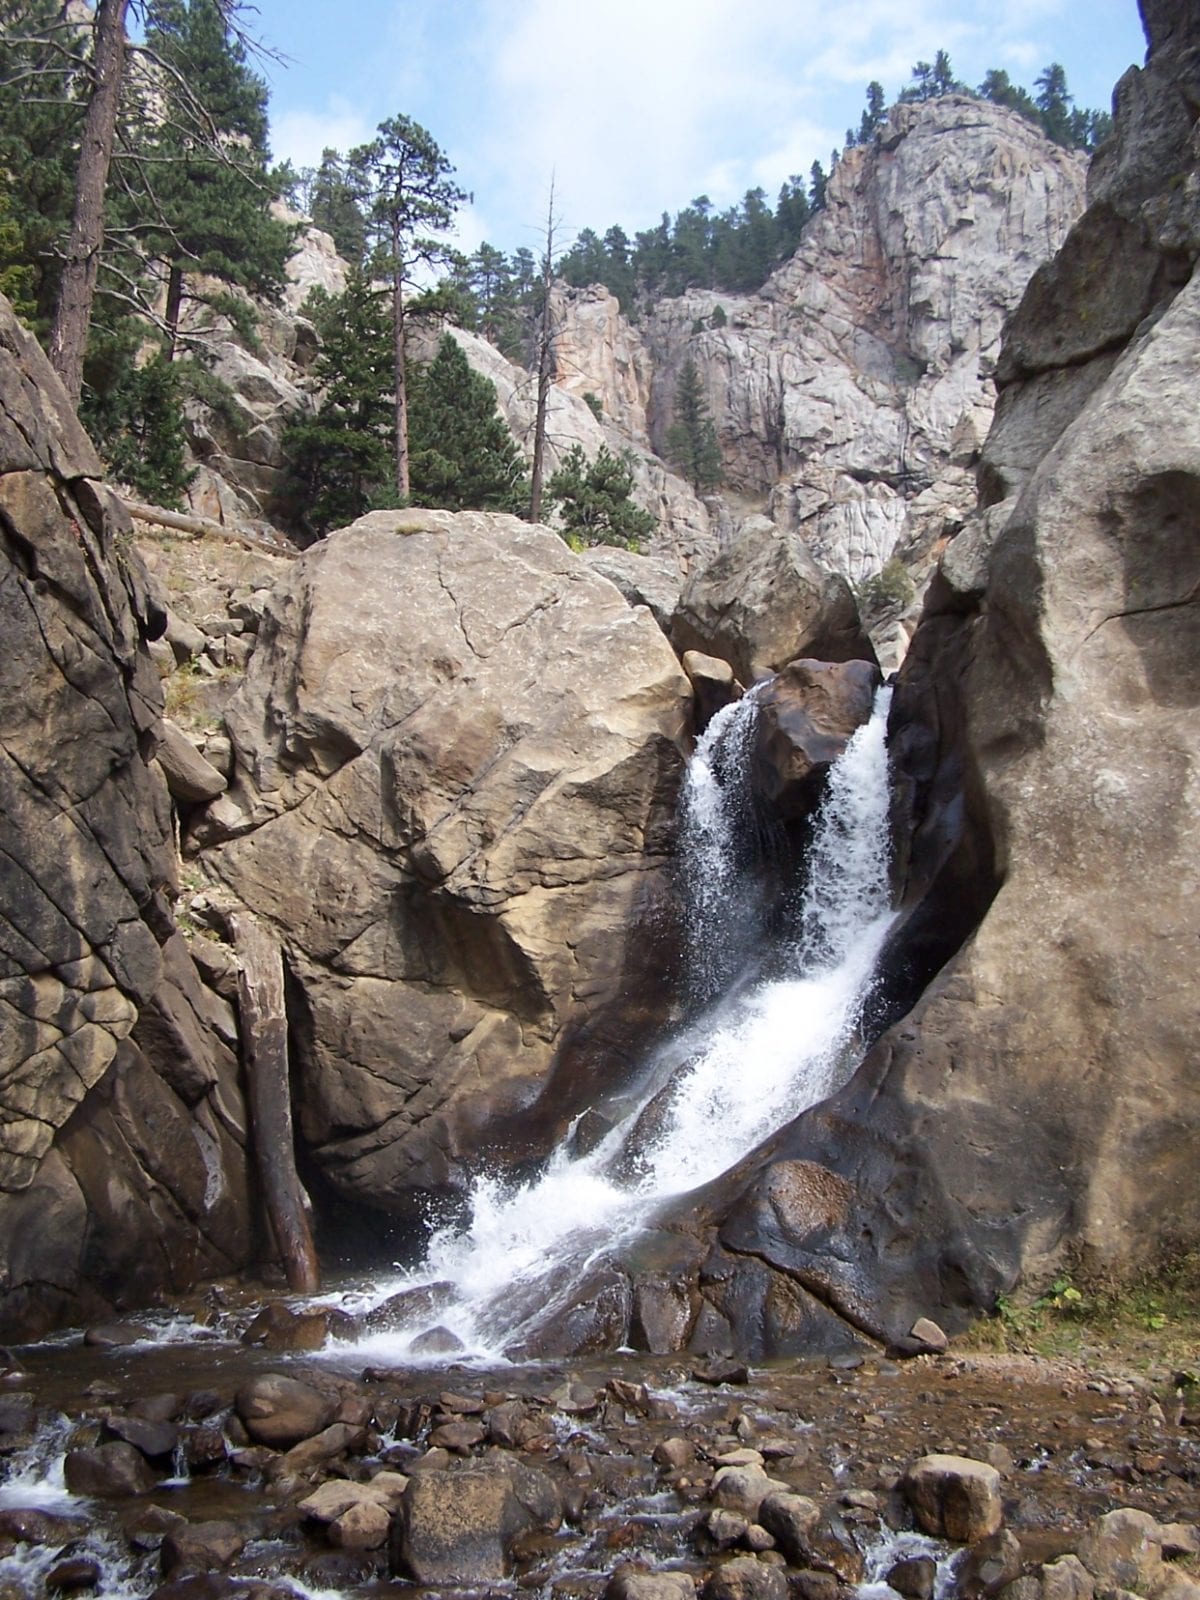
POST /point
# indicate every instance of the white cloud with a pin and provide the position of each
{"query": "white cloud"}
(300, 136)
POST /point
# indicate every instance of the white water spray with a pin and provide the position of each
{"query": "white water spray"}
(749, 1064)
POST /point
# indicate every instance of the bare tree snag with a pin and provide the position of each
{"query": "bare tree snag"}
(73, 314)
(265, 1053)
(545, 367)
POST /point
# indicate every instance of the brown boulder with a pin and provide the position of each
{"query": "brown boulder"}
(806, 716)
(280, 1411)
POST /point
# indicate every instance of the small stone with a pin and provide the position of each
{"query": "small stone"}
(926, 1332)
(675, 1454)
(721, 1371)
(746, 1578)
(73, 1575)
(913, 1577)
(632, 1583)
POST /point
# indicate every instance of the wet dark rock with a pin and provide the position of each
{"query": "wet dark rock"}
(437, 1341)
(720, 1371)
(830, 1547)
(276, 1327)
(72, 1576)
(411, 1306)
(809, 1584)
(201, 1547)
(108, 1470)
(27, 1525)
(806, 717)
(339, 1439)
(156, 1440)
(204, 1447)
(280, 1411)
(914, 1577)
(674, 1454)
(114, 1335)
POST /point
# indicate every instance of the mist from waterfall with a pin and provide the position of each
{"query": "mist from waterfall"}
(774, 1030)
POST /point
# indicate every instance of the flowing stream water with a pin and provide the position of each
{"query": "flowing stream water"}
(774, 1030)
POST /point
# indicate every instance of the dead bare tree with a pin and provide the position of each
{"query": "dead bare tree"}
(545, 362)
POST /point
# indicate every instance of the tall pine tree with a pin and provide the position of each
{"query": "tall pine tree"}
(462, 455)
(692, 438)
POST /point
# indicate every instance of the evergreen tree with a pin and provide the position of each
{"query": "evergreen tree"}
(692, 438)
(595, 500)
(875, 114)
(791, 213)
(463, 456)
(999, 88)
(341, 461)
(412, 197)
(1054, 103)
(333, 205)
(204, 208)
(817, 187)
(135, 415)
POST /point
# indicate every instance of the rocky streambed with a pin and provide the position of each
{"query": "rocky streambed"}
(203, 1465)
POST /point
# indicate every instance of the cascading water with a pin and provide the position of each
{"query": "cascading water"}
(749, 1062)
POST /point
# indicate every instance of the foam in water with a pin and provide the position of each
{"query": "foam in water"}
(751, 1062)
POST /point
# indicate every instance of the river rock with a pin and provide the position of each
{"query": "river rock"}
(280, 1411)
(743, 1489)
(746, 1578)
(200, 1547)
(764, 601)
(457, 1526)
(954, 1497)
(630, 1583)
(790, 1519)
(913, 1577)
(108, 1470)
(524, 725)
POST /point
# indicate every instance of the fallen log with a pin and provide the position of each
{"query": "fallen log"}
(201, 527)
(265, 1053)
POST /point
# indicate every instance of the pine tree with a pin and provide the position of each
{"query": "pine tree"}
(333, 205)
(817, 188)
(135, 415)
(595, 500)
(692, 438)
(412, 197)
(1054, 103)
(463, 456)
(341, 461)
(204, 208)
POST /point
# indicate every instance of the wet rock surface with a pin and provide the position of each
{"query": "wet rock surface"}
(629, 1478)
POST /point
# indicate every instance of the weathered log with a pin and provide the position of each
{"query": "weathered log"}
(264, 1035)
(201, 527)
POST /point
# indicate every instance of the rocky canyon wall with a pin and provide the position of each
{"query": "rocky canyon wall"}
(122, 1133)
(1040, 1106)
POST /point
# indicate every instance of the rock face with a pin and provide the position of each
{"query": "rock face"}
(1042, 1099)
(857, 382)
(457, 756)
(121, 1127)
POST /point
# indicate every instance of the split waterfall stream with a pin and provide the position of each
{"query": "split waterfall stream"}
(773, 1030)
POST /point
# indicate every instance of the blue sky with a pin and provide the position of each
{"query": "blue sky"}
(637, 106)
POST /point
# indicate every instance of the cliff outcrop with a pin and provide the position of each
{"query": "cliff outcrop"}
(122, 1132)
(1040, 1105)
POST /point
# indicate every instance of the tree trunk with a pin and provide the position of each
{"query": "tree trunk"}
(264, 1049)
(544, 369)
(403, 481)
(73, 313)
(174, 306)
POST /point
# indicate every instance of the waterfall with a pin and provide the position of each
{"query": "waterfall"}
(749, 1061)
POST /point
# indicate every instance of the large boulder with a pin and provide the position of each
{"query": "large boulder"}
(122, 1163)
(806, 716)
(457, 757)
(764, 601)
